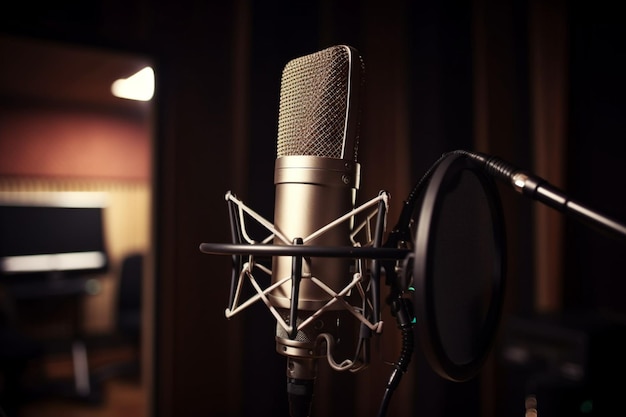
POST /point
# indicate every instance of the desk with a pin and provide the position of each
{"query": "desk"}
(56, 292)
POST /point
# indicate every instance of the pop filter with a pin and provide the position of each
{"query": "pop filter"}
(458, 267)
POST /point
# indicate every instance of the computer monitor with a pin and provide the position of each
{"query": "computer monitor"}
(51, 234)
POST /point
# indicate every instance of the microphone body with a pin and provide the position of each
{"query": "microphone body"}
(311, 192)
(316, 180)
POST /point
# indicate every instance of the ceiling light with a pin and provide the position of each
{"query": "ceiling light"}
(139, 86)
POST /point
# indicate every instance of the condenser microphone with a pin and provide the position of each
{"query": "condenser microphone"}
(316, 178)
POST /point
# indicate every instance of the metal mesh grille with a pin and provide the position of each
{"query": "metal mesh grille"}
(314, 105)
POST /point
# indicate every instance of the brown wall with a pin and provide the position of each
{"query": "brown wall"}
(71, 143)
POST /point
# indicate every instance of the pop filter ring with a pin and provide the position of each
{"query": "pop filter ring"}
(442, 178)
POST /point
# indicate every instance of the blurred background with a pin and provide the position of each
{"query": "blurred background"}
(538, 83)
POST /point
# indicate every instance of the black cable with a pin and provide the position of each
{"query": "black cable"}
(401, 308)
(405, 319)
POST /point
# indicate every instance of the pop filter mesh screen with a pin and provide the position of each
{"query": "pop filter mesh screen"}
(463, 269)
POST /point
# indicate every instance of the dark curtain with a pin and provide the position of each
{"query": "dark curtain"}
(439, 76)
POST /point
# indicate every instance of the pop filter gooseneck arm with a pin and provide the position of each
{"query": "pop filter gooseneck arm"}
(539, 189)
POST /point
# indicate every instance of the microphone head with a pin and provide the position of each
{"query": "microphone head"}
(319, 114)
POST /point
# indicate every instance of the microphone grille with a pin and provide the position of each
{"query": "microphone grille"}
(318, 112)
